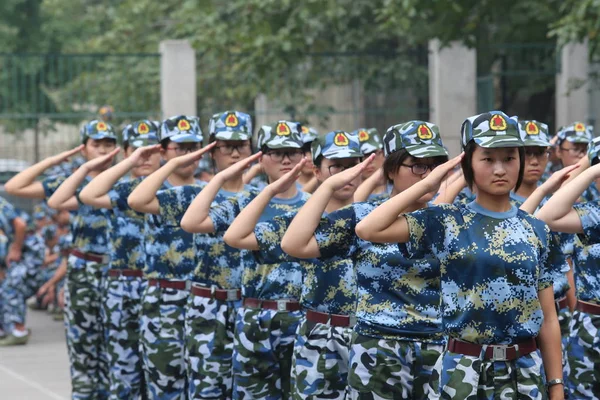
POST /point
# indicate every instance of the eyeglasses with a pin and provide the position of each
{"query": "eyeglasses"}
(420, 169)
(574, 151)
(541, 153)
(184, 150)
(292, 155)
(336, 169)
(228, 149)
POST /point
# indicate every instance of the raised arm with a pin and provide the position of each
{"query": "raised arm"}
(547, 188)
(64, 197)
(558, 212)
(24, 184)
(452, 189)
(196, 219)
(241, 232)
(299, 240)
(385, 225)
(252, 173)
(143, 198)
(16, 247)
(365, 189)
(95, 193)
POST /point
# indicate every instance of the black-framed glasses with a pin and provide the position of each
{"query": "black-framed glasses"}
(421, 169)
(228, 149)
(292, 155)
(336, 169)
(184, 150)
(537, 153)
(575, 151)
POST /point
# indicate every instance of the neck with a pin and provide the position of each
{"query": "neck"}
(233, 185)
(526, 189)
(288, 194)
(335, 204)
(303, 179)
(177, 180)
(378, 189)
(493, 202)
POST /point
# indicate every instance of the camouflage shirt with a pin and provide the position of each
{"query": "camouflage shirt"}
(492, 267)
(587, 254)
(127, 233)
(8, 213)
(329, 286)
(216, 263)
(398, 296)
(263, 279)
(89, 225)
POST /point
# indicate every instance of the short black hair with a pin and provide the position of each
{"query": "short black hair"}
(393, 162)
(467, 165)
(318, 161)
(165, 143)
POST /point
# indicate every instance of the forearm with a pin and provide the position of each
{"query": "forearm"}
(311, 185)
(196, 219)
(60, 273)
(24, 184)
(561, 203)
(67, 189)
(534, 200)
(20, 228)
(549, 339)
(95, 192)
(241, 232)
(366, 188)
(448, 195)
(143, 197)
(571, 297)
(251, 173)
(51, 258)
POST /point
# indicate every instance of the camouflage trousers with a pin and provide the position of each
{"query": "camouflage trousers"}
(564, 320)
(22, 280)
(583, 357)
(262, 353)
(85, 329)
(209, 329)
(320, 362)
(461, 377)
(122, 309)
(391, 369)
(163, 350)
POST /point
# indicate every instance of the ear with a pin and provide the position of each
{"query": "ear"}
(318, 173)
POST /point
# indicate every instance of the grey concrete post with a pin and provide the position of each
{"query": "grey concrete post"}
(452, 89)
(177, 78)
(572, 88)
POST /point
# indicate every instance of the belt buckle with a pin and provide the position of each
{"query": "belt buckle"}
(282, 305)
(188, 285)
(499, 353)
(351, 321)
(105, 259)
(232, 295)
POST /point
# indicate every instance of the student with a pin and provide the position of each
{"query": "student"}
(267, 323)
(125, 284)
(171, 255)
(496, 270)
(563, 213)
(329, 295)
(398, 338)
(307, 179)
(88, 259)
(370, 143)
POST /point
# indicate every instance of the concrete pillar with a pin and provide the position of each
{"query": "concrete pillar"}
(452, 89)
(572, 89)
(177, 78)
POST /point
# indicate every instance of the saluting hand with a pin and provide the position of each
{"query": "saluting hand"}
(338, 181)
(237, 169)
(102, 162)
(437, 176)
(143, 154)
(287, 180)
(64, 156)
(190, 158)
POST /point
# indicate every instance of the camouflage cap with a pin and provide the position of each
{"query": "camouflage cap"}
(97, 130)
(141, 133)
(230, 125)
(309, 134)
(181, 129)
(491, 129)
(369, 139)
(534, 133)
(336, 144)
(419, 138)
(282, 135)
(594, 151)
(577, 132)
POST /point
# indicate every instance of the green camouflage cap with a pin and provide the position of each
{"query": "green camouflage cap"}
(230, 125)
(97, 130)
(534, 133)
(181, 129)
(309, 134)
(491, 129)
(420, 139)
(369, 139)
(141, 133)
(594, 151)
(282, 135)
(336, 144)
(577, 132)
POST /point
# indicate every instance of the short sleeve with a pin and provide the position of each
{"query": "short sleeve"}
(589, 214)
(335, 234)
(426, 227)
(552, 260)
(120, 192)
(174, 202)
(52, 183)
(8, 213)
(223, 214)
(269, 235)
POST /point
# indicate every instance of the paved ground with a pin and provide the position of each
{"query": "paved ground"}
(39, 370)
